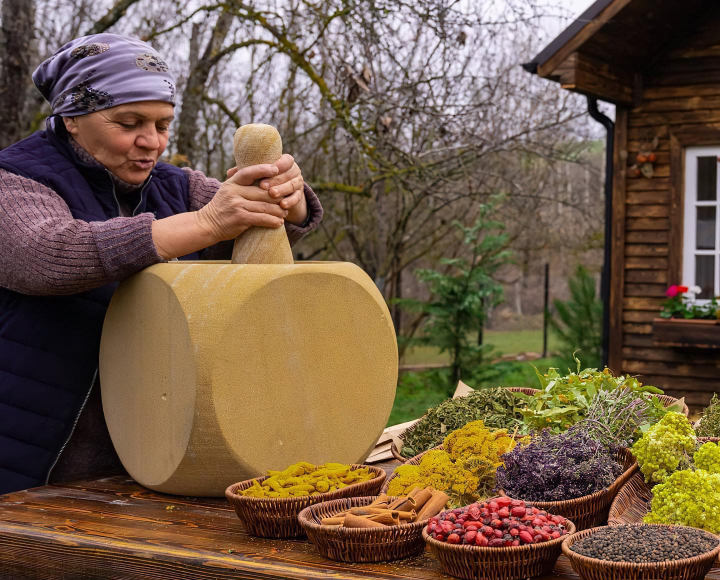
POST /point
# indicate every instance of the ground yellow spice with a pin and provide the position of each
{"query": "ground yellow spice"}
(301, 479)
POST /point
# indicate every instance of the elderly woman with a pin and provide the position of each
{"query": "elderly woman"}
(83, 205)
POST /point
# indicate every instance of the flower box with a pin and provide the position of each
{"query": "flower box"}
(681, 332)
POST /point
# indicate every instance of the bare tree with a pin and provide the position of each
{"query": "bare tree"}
(405, 116)
(18, 58)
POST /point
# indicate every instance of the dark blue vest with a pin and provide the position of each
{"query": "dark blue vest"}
(49, 344)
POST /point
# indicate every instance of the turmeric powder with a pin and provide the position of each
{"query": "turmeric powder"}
(302, 479)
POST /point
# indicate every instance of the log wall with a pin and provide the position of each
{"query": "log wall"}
(680, 100)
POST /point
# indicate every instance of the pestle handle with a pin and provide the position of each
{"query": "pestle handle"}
(254, 145)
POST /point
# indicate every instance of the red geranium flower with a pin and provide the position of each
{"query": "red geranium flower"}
(675, 290)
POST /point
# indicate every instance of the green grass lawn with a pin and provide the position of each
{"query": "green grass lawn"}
(505, 342)
(416, 393)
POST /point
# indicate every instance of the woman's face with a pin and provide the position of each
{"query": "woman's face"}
(127, 139)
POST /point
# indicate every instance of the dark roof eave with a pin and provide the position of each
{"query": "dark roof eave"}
(566, 35)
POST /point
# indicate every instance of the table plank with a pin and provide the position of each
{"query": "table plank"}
(113, 528)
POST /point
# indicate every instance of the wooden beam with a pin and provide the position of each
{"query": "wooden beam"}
(677, 209)
(617, 260)
(585, 33)
(589, 76)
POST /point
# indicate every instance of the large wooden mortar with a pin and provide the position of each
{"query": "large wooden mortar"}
(214, 372)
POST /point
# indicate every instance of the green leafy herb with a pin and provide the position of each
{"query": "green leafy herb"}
(497, 408)
(564, 400)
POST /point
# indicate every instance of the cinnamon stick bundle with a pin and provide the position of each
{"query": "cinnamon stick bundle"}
(434, 506)
(418, 505)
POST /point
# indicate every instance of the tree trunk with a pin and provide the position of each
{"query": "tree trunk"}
(18, 55)
(193, 95)
(115, 13)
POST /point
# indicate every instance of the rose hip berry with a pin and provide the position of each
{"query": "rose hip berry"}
(501, 522)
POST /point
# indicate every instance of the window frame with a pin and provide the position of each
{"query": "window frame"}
(691, 204)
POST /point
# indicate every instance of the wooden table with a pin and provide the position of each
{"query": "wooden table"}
(114, 528)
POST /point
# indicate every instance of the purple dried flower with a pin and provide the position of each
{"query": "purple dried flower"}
(556, 467)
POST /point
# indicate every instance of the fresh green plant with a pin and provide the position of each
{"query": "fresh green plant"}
(460, 296)
(681, 303)
(564, 399)
(578, 321)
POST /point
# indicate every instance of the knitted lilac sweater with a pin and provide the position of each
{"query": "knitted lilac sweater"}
(46, 251)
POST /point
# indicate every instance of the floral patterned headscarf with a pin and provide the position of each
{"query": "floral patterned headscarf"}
(100, 71)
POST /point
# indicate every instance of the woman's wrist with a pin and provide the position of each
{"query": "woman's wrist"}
(298, 214)
(183, 234)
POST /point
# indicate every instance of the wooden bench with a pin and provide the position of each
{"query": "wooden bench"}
(114, 528)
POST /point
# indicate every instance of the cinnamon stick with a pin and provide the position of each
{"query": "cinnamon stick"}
(399, 501)
(434, 506)
(382, 498)
(422, 497)
(409, 504)
(385, 519)
(352, 521)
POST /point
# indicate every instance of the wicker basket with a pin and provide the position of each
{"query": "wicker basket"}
(396, 453)
(665, 399)
(278, 517)
(359, 545)
(592, 510)
(513, 563)
(594, 569)
(668, 400)
(631, 503)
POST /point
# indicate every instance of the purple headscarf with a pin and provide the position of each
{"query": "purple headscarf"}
(100, 71)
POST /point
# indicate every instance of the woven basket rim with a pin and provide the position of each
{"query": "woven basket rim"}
(486, 550)
(306, 520)
(232, 496)
(568, 541)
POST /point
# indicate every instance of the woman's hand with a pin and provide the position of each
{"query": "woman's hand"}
(286, 188)
(239, 204)
(236, 206)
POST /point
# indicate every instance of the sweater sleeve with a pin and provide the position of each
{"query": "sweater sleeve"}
(46, 251)
(203, 188)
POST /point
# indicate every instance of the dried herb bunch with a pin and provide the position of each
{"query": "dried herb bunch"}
(710, 420)
(557, 467)
(579, 461)
(615, 418)
(496, 407)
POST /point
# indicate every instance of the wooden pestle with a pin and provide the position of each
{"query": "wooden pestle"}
(254, 145)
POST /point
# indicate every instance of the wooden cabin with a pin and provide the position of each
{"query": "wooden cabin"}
(658, 62)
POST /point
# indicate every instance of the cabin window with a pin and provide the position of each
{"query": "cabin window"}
(701, 249)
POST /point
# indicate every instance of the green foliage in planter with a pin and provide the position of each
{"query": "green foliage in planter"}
(679, 305)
